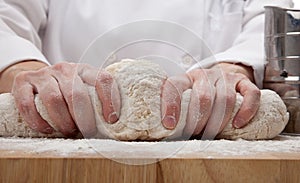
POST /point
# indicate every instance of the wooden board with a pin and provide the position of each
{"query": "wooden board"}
(28, 165)
(99, 169)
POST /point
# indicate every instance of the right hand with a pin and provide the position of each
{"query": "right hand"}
(63, 91)
(212, 100)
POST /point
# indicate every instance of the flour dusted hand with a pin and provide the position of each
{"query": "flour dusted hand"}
(140, 83)
(62, 88)
(140, 116)
(11, 123)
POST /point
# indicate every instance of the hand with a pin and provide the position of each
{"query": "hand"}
(63, 90)
(8, 75)
(212, 100)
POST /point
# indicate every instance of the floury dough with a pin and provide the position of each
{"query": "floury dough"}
(140, 117)
(11, 123)
(140, 83)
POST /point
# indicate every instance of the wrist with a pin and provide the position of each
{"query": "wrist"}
(8, 75)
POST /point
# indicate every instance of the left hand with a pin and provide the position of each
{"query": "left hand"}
(63, 90)
(212, 99)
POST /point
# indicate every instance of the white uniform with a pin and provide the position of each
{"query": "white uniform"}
(61, 30)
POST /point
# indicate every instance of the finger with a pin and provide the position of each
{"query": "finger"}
(57, 108)
(77, 97)
(108, 93)
(24, 98)
(200, 106)
(222, 108)
(171, 99)
(107, 90)
(250, 103)
(230, 87)
(82, 109)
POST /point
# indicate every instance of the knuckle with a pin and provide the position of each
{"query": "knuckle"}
(60, 67)
(231, 97)
(69, 95)
(256, 92)
(171, 88)
(105, 78)
(20, 78)
(84, 69)
(205, 99)
(25, 105)
(196, 73)
(232, 76)
(26, 75)
(240, 76)
(21, 75)
(53, 97)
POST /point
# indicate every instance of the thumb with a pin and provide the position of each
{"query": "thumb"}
(109, 96)
(172, 90)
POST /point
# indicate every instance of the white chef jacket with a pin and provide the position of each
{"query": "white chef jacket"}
(61, 30)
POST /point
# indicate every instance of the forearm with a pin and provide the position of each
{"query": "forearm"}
(20, 24)
(7, 76)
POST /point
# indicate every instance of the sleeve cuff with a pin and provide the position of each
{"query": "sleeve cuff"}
(15, 49)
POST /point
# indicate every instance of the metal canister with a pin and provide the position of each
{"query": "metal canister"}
(282, 48)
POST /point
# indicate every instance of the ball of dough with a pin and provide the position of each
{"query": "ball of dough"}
(140, 118)
(269, 121)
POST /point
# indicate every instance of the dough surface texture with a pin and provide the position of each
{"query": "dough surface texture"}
(140, 118)
(139, 83)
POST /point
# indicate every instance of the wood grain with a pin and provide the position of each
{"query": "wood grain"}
(77, 168)
(84, 161)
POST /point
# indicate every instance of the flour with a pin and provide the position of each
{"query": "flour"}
(117, 149)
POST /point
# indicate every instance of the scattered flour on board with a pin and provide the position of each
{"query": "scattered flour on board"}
(113, 148)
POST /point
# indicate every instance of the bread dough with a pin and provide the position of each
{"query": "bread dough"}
(11, 123)
(140, 118)
(269, 121)
(140, 82)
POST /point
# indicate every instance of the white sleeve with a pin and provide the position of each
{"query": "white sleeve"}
(21, 23)
(248, 48)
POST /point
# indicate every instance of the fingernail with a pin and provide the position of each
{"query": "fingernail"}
(238, 123)
(169, 122)
(112, 117)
